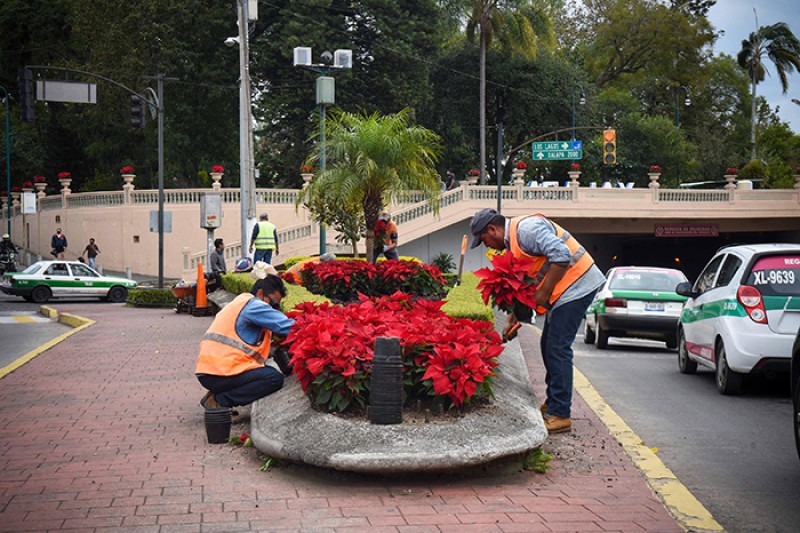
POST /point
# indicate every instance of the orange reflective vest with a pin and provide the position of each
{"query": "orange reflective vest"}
(223, 352)
(292, 274)
(386, 236)
(580, 260)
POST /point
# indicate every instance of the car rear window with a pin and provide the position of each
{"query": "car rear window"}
(646, 280)
(777, 275)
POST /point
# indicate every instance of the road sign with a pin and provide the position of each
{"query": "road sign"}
(557, 150)
(552, 146)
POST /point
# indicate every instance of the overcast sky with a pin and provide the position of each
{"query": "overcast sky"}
(736, 18)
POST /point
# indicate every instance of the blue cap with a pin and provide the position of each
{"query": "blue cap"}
(244, 264)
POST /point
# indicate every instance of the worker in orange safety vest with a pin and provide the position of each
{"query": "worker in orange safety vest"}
(292, 274)
(566, 281)
(235, 348)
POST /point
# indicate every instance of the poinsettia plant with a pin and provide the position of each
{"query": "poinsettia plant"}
(306, 169)
(332, 350)
(508, 284)
(64, 175)
(731, 170)
(474, 172)
(217, 169)
(39, 179)
(655, 168)
(27, 184)
(521, 165)
(127, 169)
(575, 166)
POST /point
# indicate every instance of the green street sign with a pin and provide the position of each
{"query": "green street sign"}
(557, 150)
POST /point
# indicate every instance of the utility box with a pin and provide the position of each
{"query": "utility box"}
(210, 210)
(326, 91)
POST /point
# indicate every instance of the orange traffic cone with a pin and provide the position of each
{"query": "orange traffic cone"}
(201, 299)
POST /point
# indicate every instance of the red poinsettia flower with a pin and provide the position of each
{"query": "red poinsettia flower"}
(655, 168)
(15, 188)
(217, 169)
(731, 170)
(575, 166)
(522, 165)
(27, 184)
(128, 169)
(474, 172)
(306, 169)
(39, 179)
(64, 175)
(509, 281)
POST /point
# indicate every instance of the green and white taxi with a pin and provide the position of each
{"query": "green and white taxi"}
(64, 279)
(638, 302)
(742, 314)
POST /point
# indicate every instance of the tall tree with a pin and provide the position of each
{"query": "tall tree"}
(373, 158)
(779, 44)
(518, 26)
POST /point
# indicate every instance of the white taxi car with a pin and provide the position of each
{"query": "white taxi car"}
(64, 279)
(742, 314)
(636, 302)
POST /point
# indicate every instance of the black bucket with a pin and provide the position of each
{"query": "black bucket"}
(218, 425)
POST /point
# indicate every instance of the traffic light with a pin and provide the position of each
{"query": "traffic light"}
(610, 147)
(26, 97)
(137, 111)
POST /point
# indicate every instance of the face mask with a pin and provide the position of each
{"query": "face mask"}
(272, 303)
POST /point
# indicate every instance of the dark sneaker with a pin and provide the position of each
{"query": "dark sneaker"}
(556, 424)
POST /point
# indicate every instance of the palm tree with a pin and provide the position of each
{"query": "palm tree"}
(372, 159)
(519, 26)
(779, 44)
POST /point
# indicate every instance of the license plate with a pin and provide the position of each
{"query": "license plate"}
(654, 306)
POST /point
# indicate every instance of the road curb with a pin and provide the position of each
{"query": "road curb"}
(77, 323)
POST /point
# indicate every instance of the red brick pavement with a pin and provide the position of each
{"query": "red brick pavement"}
(103, 433)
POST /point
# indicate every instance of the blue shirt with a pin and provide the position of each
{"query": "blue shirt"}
(537, 237)
(257, 315)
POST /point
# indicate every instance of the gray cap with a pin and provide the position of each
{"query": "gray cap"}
(479, 222)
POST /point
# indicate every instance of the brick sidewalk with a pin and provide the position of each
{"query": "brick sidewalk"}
(103, 433)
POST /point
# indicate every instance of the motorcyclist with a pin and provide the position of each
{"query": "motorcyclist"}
(6, 245)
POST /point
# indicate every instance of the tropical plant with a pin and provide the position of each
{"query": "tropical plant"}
(519, 27)
(779, 44)
(444, 262)
(372, 158)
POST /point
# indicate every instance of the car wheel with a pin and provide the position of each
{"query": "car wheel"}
(685, 364)
(796, 402)
(602, 338)
(40, 294)
(588, 333)
(117, 294)
(728, 381)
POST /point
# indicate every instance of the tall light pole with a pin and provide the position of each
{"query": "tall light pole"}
(687, 102)
(8, 161)
(582, 101)
(326, 95)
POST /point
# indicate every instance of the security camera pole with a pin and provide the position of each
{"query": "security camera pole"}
(329, 63)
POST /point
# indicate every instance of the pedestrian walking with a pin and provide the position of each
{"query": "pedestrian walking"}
(264, 240)
(566, 280)
(58, 243)
(91, 252)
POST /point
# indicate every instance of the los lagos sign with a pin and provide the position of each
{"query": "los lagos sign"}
(686, 230)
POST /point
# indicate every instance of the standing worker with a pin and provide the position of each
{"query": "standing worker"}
(264, 240)
(236, 346)
(58, 243)
(385, 237)
(91, 252)
(566, 280)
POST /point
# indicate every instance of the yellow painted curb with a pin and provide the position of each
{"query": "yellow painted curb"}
(76, 322)
(679, 501)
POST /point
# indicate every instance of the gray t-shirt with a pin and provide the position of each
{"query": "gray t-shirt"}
(537, 237)
(218, 262)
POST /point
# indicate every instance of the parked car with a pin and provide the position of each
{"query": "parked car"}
(742, 313)
(795, 372)
(635, 302)
(64, 279)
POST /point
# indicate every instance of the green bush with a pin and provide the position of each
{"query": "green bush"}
(151, 296)
(465, 301)
(444, 262)
(296, 294)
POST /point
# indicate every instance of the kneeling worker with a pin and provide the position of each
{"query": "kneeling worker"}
(292, 274)
(235, 348)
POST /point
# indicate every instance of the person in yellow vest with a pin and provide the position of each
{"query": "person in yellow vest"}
(292, 274)
(566, 281)
(234, 350)
(264, 240)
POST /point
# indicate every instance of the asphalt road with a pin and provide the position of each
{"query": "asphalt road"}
(736, 454)
(23, 329)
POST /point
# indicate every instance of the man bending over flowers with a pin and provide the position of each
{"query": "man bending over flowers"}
(566, 280)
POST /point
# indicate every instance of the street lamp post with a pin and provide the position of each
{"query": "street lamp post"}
(582, 101)
(686, 102)
(8, 161)
(326, 95)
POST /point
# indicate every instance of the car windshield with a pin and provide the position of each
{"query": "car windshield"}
(646, 280)
(777, 275)
(33, 269)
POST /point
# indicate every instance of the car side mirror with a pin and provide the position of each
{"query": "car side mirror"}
(685, 289)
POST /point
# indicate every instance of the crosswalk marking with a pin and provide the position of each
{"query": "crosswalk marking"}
(23, 319)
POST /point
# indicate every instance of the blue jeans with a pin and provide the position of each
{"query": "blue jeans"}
(559, 331)
(244, 388)
(262, 255)
(92, 261)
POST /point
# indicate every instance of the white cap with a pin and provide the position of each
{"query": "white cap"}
(262, 269)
